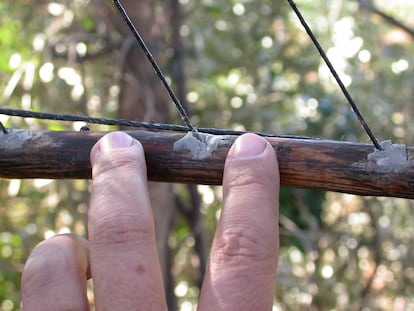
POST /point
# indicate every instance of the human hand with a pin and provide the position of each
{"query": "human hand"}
(121, 255)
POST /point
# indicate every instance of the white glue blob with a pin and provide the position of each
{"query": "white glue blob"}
(198, 145)
(15, 139)
(393, 158)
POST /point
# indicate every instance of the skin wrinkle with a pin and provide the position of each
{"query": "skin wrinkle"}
(126, 271)
(119, 224)
(117, 165)
(105, 184)
(241, 253)
(243, 243)
(121, 232)
(244, 184)
(120, 174)
(259, 203)
(246, 231)
(241, 175)
(100, 199)
(260, 263)
(123, 255)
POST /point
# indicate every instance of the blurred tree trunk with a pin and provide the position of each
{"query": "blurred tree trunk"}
(143, 98)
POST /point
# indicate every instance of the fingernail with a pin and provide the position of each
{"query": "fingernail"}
(247, 146)
(115, 140)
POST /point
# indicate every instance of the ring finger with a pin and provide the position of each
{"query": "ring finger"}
(55, 274)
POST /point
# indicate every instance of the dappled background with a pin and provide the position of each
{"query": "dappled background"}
(240, 64)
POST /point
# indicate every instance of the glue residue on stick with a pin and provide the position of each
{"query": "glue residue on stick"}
(392, 158)
(15, 139)
(198, 145)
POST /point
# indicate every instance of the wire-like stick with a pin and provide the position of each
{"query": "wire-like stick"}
(335, 75)
(128, 123)
(178, 105)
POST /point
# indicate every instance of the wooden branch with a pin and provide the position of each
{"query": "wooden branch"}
(304, 163)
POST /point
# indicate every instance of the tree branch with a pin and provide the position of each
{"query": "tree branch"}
(304, 163)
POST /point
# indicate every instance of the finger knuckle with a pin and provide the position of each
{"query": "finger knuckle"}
(241, 245)
(245, 180)
(116, 161)
(121, 230)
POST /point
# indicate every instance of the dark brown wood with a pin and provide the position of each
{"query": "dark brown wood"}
(304, 163)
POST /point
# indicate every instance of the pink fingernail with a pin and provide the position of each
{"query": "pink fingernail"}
(115, 140)
(247, 146)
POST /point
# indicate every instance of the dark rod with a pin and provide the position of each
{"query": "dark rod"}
(304, 163)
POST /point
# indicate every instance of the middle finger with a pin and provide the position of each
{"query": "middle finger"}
(124, 259)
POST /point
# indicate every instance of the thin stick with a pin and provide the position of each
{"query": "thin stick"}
(304, 163)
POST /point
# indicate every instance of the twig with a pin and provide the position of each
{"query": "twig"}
(304, 163)
(390, 19)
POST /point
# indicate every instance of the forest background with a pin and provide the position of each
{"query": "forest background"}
(244, 65)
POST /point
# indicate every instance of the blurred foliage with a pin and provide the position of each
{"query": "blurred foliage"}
(250, 66)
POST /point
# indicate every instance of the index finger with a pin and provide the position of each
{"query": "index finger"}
(241, 273)
(124, 260)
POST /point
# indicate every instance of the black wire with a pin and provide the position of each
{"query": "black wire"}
(178, 105)
(335, 75)
(129, 123)
(3, 129)
(184, 116)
